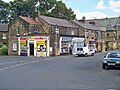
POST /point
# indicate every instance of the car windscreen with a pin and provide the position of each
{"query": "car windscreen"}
(113, 55)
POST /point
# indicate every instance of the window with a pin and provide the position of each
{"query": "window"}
(4, 36)
(107, 34)
(72, 32)
(14, 46)
(18, 30)
(36, 30)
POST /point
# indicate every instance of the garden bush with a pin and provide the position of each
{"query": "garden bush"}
(4, 50)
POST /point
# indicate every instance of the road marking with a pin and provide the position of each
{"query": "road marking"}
(4, 68)
(110, 89)
(1, 63)
(22, 63)
(16, 65)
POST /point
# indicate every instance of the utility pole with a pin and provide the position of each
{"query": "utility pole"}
(118, 32)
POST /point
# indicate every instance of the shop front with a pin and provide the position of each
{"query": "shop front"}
(92, 45)
(34, 46)
(68, 44)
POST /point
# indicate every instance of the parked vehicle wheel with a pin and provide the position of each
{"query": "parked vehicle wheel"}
(86, 54)
(105, 67)
(92, 54)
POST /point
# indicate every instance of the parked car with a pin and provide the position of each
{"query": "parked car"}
(84, 51)
(112, 59)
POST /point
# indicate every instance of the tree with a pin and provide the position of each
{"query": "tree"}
(61, 11)
(21, 7)
(45, 6)
(54, 8)
(4, 12)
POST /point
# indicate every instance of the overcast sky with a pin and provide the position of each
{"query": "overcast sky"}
(93, 8)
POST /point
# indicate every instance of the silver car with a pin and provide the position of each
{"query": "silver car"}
(112, 59)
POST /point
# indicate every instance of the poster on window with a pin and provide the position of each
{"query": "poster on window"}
(23, 47)
(14, 46)
(41, 47)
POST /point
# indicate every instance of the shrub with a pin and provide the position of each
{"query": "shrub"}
(1, 45)
(4, 50)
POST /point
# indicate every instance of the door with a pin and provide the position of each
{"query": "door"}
(31, 49)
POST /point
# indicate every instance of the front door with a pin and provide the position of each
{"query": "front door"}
(32, 49)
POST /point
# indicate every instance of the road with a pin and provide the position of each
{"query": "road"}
(57, 73)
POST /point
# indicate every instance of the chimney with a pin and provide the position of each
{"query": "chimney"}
(83, 19)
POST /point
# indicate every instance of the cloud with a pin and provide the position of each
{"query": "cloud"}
(100, 5)
(114, 6)
(90, 15)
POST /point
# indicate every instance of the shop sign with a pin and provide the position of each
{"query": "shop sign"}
(39, 38)
(23, 38)
(31, 38)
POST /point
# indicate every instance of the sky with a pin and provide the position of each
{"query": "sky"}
(92, 9)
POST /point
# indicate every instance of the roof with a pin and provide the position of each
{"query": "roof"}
(58, 22)
(3, 27)
(97, 24)
(109, 23)
(29, 20)
(86, 25)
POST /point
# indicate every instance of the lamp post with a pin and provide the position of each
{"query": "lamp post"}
(56, 41)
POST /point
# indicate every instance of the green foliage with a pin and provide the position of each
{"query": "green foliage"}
(54, 8)
(3, 50)
(4, 12)
(61, 11)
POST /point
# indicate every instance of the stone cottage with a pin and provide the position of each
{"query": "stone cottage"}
(94, 35)
(112, 26)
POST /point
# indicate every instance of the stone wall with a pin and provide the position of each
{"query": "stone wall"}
(13, 36)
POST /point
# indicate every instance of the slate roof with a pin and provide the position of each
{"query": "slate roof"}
(109, 23)
(3, 27)
(58, 22)
(29, 20)
(86, 25)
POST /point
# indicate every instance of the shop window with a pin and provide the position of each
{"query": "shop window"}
(72, 32)
(4, 36)
(36, 30)
(14, 46)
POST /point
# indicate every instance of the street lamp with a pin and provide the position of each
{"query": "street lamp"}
(56, 41)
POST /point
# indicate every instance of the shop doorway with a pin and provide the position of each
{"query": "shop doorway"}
(32, 49)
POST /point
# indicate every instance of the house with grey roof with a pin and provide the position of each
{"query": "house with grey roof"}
(3, 34)
(93, 34)
(41, 36)
(112, 26)
(61, 33)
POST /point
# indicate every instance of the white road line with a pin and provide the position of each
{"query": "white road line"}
(1, 63)
(21, 64)
(4, 68)
(17, 65)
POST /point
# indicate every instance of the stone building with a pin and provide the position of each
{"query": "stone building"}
(3, 34)
(41, 36)
(94, 35)
(19, 28)
(112, 26)
(61, 33)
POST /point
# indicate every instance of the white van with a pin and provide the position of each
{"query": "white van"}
(84, 51)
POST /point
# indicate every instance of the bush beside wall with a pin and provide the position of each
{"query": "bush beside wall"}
(3, 50)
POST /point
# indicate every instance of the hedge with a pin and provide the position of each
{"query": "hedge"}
(3, 50)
